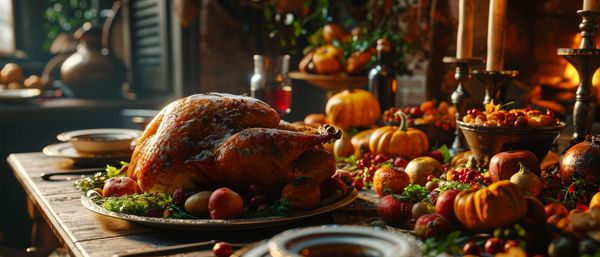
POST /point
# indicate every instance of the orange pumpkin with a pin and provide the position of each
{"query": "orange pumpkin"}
(399, 141)
(595, 202)
(327, 60)
(357, 62)
(353, 108)
(360, 142)
(500, 204)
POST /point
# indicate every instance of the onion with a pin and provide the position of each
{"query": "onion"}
(527, 181)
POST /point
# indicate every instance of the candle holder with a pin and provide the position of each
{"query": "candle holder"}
(586, 59)
(460, 96)
(495, 86)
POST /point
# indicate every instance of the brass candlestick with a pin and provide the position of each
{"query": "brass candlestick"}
(495, 84)
(460, 96)
(586, 59)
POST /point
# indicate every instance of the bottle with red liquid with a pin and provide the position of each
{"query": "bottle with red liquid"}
(270, 82)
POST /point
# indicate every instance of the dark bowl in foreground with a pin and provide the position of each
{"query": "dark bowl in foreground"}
(486, 141)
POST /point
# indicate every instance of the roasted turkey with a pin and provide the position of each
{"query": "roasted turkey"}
(206, 141)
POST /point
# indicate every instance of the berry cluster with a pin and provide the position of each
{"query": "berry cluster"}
(495, 116)
(469, 176)
(367, 166)
(442, 115)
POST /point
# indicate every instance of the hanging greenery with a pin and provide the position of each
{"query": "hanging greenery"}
(66, 16)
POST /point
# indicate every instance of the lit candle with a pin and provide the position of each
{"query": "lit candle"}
(591, 5)
(495, 41)
(464, 38)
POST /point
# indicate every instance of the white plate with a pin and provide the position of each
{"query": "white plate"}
(104, 140)
(19, 95)
(66, 150)
(220, 225)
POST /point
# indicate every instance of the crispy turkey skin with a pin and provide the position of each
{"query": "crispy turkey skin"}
(206, 141)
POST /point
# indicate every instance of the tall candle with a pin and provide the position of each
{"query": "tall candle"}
(591, 5)
(464, 38)
(495, 41)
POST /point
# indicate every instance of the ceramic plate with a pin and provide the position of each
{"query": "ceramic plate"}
(111, 133)
(400, 243)
(19, 95)
(66, 150)
(214, 225)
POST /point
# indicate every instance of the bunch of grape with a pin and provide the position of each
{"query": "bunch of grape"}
(469, 176)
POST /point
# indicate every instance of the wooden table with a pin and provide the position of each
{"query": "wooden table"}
(84, 233)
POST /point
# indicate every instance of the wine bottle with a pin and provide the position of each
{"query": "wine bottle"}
(382, 76)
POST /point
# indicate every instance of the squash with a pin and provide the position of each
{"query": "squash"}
(420, 168)
(503, 165)
(353, 108)
(343, 147)
(399, 141)
(327, 59)
(387, 178)
(528, 181)
(595, 202)
(500, 204)
(357, 62)
(360, 142)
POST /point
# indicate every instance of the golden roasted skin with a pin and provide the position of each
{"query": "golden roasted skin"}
(213, 140)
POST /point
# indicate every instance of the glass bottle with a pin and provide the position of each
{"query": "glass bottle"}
(270, 82)
(382, 76)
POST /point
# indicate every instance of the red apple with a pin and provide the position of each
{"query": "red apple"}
(225, 204)
(445, 204)
(436, 154)
(393, 211)
(430, 225)
(119, 186)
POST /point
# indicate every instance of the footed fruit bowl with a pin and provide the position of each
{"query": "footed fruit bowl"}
(486, 141)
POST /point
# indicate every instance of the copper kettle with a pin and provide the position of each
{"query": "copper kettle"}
(92, 71)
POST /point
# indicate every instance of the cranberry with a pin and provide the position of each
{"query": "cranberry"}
(445, 127)
(510, 244)
(400, 162)
(372, 170)
(430, 177)
(455, 176)
(471, 248)
(550, 113)
(257, 200)
(178, 196)
(222, 249)
(360, 164)
(367, 157)
(494, 245)
(416, 111)
(380, 158)
(438, 123)
(358, 183)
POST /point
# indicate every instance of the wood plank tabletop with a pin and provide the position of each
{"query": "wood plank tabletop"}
(84, 233)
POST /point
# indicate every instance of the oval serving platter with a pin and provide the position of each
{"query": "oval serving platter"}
(213, 225)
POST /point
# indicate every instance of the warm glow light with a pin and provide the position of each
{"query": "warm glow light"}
(570, 72)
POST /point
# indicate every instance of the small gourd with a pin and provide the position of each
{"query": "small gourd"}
(527, 181)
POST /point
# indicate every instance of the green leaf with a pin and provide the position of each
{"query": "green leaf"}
(445, 153)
